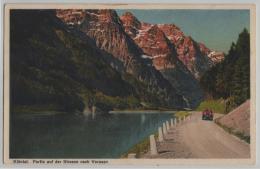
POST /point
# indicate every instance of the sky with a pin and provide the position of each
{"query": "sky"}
(217, 29)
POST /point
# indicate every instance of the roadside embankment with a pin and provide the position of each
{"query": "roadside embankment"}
(237, 122)
(193, 138)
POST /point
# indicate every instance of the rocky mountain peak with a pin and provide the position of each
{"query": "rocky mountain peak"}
(194, 55)
(123, 53)
(172, 32)
(71, 16)
(169, 28)
(158, 47)
(154, 43)
(129, 19)
(151, 39)
(131, 24)
(103, 15)
(155, 31)
(132, 44)
(204, 49)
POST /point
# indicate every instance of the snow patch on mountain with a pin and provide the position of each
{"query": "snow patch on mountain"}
(146, 57)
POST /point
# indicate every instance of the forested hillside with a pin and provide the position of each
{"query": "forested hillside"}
(58, 68)
(230, 79)
(52, 68)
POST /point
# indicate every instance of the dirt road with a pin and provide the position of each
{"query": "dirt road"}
(196, 138)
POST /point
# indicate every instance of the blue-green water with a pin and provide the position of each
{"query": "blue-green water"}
(71, 136)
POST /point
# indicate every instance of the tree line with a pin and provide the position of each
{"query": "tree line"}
(230, 79)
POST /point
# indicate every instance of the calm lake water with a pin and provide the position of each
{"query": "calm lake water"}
(71, 136)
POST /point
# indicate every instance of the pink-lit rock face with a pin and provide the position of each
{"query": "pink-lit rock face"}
(154, 43)
(151, 40)
(155, 53)
(71, 16)
(131, 24)
(158, 41)
(106, 29)
(159, 47)
(114, 38)
(193, 54)
(161, 43)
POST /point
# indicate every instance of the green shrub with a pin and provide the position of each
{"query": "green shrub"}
(217, 106)
(181, 114)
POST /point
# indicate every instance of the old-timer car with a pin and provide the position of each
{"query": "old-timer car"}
(207, 115)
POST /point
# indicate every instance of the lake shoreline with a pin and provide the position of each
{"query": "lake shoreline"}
(118, 132)
(143, 146)
(55, 113)
(141, 111)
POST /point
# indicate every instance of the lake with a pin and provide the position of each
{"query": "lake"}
(74, 136)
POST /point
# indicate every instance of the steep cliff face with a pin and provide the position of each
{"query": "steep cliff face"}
(71, 16)
(106, 29)
(195, 56)
(159, 49)
(131, 24)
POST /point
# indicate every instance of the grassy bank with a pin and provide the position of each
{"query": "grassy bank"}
(37, 110)
(181, 114)
(217, 106)
(143, 108)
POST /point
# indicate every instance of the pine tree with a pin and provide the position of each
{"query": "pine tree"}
(230, 79)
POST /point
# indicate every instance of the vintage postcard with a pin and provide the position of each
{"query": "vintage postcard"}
(129, 84)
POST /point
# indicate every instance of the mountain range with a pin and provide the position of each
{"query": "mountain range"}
(72, 59)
